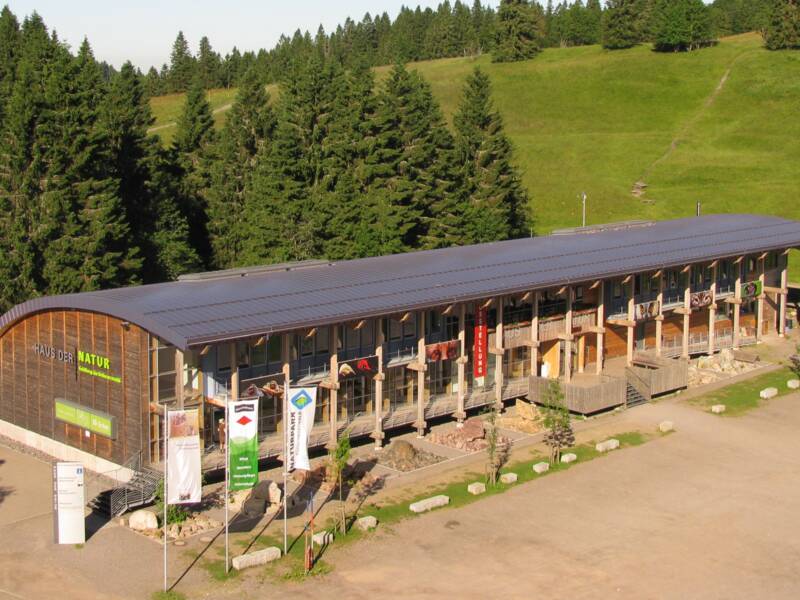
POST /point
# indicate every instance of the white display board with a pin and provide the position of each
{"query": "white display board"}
(69, 500)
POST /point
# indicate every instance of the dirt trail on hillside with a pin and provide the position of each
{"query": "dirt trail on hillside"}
(640, 186)
(222, 108)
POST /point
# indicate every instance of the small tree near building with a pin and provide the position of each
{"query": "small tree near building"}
(497, 449)
(337, 463)
(557, 422)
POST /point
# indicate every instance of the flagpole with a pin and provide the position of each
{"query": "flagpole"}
(166, 497)
(285, 464)
(227, 475)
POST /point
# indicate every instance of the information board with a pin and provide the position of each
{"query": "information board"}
(69, 499)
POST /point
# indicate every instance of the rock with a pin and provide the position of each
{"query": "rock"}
(143, 519)
(769, 392)
(429, 504)
(541, 467)
(254, 507)
(260, 490)
(476, 488)
(323, 538)
(274, 493)
(367, 523)
(718, 409)
(508, 478)
(793, 384)
(254, 559)
(568, 458)
(473, 429)
(608, 445)
(179, 543)
(402, 450)
(666, 426)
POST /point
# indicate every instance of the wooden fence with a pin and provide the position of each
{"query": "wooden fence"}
(607, 393)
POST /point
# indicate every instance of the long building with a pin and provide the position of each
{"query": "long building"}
(612, 312)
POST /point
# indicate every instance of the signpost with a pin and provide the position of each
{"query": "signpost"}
(69, 525)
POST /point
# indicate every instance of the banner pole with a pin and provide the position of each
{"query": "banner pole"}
(285, 465)
(227, 475)
(165, 498)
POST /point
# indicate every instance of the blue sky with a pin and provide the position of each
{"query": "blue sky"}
(142, 31)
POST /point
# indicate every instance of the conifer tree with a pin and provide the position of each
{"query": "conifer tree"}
(518, 31)
(496, 203)
(9, 54)
(248, 128)
(680, 25)
(208, 64)
(783, 25)
(181, 65)
(620, 24)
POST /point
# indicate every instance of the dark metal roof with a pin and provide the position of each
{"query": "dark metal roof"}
(187, 313)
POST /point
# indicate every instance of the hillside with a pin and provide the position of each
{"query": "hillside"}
(584, 119)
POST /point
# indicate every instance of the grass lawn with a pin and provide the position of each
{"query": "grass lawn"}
(588, 119)
(741, 397)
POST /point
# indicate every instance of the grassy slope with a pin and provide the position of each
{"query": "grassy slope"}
(584, 119)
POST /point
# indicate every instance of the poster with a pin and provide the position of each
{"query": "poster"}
(700, 299)
(646, 310)
(358, 367)
(302, 404)
(69, 524)
(752, 289)
(243, 444)
(183, 457)
(480, 348)
(442, 351)
(269, 386)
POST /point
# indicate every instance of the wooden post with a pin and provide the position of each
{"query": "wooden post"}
(712, 311)
(687, 303)
(461, 413)
(631, 316)
(420, 424)
(601, 319)
(568, 337)
(498, 365)
(234, 373)
(760, 304)
(333, 348)
(179, 395)
(660, 318)
(737, 307)
(782, 297)
(378, 434)
(535, 336)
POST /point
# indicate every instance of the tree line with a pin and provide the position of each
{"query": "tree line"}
(338, 166)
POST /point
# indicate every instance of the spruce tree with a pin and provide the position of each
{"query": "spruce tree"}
(248, 128)
(9, 55)
(208, 64)
(496, 203)
(783, 25)
(181, 65)
(518, 31)
(680, 25)
(620, 24)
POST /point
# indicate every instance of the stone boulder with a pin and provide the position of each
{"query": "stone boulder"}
(366, 523)
(793, 384)
(401, 450)
(666, 426)
(718, 409)
(142, 520)
(768, 393)
(541, 467)
(569, 457)
(476, 488)
(473, 429)
(274, 493)
(323, 538)
(429, 504)
(607, 446)
(257, 558)
(508, 478)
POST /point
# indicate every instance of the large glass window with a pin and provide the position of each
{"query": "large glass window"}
(399, 389)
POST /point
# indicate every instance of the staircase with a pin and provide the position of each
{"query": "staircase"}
(138, 491)
(632, 396)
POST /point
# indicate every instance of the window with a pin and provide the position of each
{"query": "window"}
(258, 354)
(274, 349)
(243, 354)
(617, 290)
(223, 358)
(579, 293)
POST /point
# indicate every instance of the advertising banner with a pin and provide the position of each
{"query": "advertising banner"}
(646, 310)
(302, 403)
(480, 348)
(752, 289)
(359, 367)
(442, 351)
(700, 299)
(243, 444)
(69, 524)
(88, 418)
(183, 457)
(269, 386)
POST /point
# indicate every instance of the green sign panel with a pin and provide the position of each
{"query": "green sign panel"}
(243, 444)
(93, 420)
(752, 289)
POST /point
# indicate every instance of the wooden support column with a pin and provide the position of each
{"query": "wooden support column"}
(378, 434)
(568, 337)
(712, 310)
(535, 336)
(737, 307)
(234, 372)
(631, 317)
(601, 320)
(498, 357)
(660, 319)
(461, 412)
(782, 298)
(420, 423)
(333, 348)
(179, 394)
(760, 302)
(687, 304)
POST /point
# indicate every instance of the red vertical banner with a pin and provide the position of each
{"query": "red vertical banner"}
(480, 348)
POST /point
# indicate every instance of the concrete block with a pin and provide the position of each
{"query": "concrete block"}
(541, 467)
(254, 559)
(476, 488)
(718, 409)
(607, 446)
(793, 384)
(508, 478)
(569, 457)
(323, 538)
(429, 504)
(768, 393)
(367, 523)
(666, 426)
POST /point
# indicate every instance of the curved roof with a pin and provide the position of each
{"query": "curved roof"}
(241, 304)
